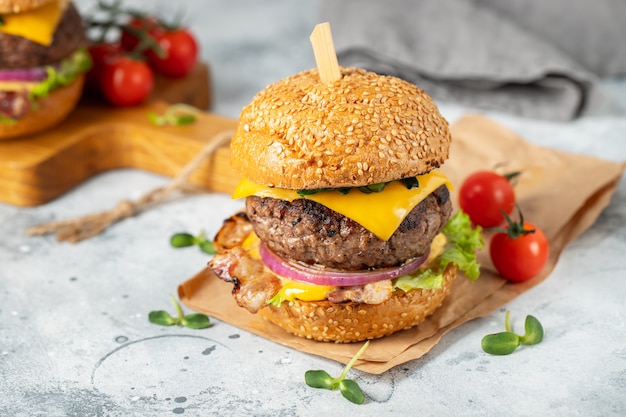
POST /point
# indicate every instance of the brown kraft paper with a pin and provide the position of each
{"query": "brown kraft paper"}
(478, 143)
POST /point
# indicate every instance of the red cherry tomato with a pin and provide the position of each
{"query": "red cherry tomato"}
(520, 258)
(180, 53)
(127, 82)
(101, 55)
(483, 195)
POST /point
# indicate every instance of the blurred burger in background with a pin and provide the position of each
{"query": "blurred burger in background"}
(42, 64)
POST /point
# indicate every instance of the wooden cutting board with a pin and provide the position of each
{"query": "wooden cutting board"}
(97, 137)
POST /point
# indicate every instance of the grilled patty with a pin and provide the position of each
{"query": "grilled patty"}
(309, 232)
(19, 52)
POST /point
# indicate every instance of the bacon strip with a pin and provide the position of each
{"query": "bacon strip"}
(14, 104)
(254, 284)
(371, 293)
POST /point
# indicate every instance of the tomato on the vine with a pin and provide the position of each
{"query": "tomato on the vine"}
(484, 195)
(180, 53)
(101, 55)
(127, 81)
(521, 252)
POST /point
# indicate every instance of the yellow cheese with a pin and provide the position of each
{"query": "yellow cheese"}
(381, 213)
(17, 85)
(292, 290)
(38, 25)
(436, 248)
(251, 245)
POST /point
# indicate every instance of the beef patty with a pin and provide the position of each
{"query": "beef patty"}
(19, 52)
(309, 232)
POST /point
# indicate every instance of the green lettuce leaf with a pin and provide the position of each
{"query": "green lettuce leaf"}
(463, 242)
(64, 74)
(426, 279)
(276, 300)
(7, 120)
(466, 241)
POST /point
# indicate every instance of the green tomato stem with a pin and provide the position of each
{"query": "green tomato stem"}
(512, 175)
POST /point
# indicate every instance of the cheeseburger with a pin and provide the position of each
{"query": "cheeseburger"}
(348, 232)
(42, 64)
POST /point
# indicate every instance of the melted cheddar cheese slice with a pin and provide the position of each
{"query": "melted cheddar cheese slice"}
(17, 85)
(297, 290)
(381, 213)
(38, 25)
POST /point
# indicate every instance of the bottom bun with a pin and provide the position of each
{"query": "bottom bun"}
(47, 111)
(343, 323)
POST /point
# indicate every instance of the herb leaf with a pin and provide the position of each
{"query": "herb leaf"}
(196, 321)
(162, 318)
(318, 379)
(507, 342)
(179, 114)
(192, 321)
(373, 188)
(411, 182)
(351, 391)
(348, 388)
(304, 193)
(207, 247)
(184, 239)
(181, 240)
(502, 343)
(534, 331)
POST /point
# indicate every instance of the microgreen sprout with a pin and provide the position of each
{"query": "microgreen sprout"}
(193, 320)
(507, 342)
(184, 239)
(179, 114)
(348, 388)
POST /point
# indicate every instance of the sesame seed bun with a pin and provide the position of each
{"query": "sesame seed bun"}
(344, 323)
(21, 6)
(365, 128)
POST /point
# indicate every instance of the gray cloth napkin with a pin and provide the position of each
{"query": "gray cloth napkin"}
(482, 54)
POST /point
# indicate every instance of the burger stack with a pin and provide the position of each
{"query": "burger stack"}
(348, 231)
(42, 64)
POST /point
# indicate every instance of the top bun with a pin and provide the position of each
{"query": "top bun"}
(21, 6)
(364, 128)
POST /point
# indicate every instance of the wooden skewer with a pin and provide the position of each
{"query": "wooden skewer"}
(324, 50)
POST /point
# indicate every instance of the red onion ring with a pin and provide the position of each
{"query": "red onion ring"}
(24, 74)
(333, 277)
